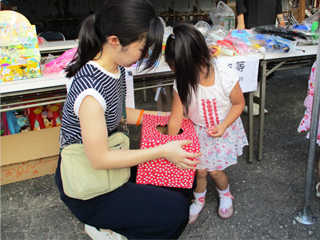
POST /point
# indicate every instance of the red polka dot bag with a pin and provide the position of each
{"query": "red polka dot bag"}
(161, 172)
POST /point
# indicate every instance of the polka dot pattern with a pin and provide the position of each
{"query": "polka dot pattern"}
(161, 172)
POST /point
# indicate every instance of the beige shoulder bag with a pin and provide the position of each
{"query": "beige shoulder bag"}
(80, 180)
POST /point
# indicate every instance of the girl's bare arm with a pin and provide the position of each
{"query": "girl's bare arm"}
(176, 115)
(238, 103)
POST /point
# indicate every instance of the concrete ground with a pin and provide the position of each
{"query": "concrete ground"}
(267, 193)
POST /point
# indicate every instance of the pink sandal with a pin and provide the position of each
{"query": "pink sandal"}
(194, 218)
(226, 212)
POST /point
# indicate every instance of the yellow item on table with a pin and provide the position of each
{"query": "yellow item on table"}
(19, 50)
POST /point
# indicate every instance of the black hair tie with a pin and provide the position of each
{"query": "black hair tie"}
(96, 17)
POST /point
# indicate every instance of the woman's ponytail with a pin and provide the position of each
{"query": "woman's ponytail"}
(129, 21)
(89, 45)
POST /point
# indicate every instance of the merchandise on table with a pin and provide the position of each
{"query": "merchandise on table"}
(58, 64)
(19, 50)
(161, 172)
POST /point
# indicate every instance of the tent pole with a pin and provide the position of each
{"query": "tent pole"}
(305, 216)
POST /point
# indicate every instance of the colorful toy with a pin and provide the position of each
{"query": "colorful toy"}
(17, 121)
(242, 35)
(4, 125)
(36, 118)
(56, 116)
(266, 41)
(240, 45)
(228, 52)
(228, 44)
(214, 50)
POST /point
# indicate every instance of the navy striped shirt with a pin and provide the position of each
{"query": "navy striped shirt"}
(106, 88)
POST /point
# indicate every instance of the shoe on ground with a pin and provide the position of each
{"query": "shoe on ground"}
(194, 218)
(255, 109)
(318, 190)
(95, 234)
(226, 212)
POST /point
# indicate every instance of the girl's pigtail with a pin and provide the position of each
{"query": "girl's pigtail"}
(187, 53)
(186, 68)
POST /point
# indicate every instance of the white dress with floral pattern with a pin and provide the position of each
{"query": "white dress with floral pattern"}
(209, 107)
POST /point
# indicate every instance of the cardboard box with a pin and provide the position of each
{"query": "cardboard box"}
(161, 172)
(29, 154)
(22, 171)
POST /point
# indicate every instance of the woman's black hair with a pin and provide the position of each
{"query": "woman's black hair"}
(130, 21)
(187, 54)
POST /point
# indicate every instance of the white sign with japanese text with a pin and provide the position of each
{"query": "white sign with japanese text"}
(246, 67)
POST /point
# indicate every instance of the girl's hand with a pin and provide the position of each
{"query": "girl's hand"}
(216, 131)
(173, 152)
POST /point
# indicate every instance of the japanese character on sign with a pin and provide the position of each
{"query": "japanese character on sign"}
(240, 66)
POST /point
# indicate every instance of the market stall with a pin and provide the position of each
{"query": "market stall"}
(50, 89)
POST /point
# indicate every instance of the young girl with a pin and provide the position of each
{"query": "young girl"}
(306, 120)
(212, 98)
(119, 35)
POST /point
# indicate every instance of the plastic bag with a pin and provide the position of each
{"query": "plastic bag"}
(203, 27)
(217, 33)
(58, 64)
(223, 15)
(311, 24)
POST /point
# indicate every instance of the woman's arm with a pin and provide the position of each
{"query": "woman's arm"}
(240, 9)
(241, 24)
(235, 111)
(280, 19)
(279, 12)
(176, 116)
(95, 139)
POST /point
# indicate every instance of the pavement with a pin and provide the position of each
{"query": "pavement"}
(268, 193)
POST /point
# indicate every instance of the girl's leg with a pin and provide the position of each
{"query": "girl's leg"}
(201, 175)
(221, 181)
(199, 195)
(142, 212)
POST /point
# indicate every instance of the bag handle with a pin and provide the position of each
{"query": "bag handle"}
(125, 125)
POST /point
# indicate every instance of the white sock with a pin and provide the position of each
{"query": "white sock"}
(224, 202)
(198, 202)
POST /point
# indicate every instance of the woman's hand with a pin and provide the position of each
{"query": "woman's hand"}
(173, 152)
(216, 131)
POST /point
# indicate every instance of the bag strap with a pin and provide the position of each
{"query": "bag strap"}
(125, 125)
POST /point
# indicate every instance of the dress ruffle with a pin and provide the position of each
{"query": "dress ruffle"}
(219, 153)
